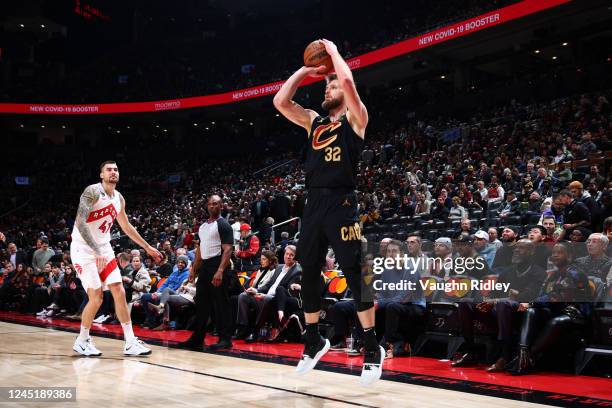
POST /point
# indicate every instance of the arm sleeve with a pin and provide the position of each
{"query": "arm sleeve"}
(226, 233)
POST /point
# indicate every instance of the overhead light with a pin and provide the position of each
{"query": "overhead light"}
(537, 51)
(21, 25)
(277, 115)
(165, 130)
(21, 125)
(42, 126)
(63, 126)
(157, 126)
(564, 44)
(118, 131)
(128, 127)
(399, 88)
(195, 124)
(241, 119)
(212, 123)
(251, 123)
(554, 57)
(42, 26)
(206, 128)
(442, 76)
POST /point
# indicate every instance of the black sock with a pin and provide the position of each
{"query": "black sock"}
(369, 339)
(312, 332)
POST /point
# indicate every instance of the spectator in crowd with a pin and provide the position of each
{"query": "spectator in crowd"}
(248, 307)
(465, 228)
(42, 256)
(577, 240)
(56, 286)
(560, 304)
(579, 194)
(492, 231)
(483, 248)
(248, 249)
(397, 311)
(183, 296)
(575, 214)
(16, 256)
(285, 276)
(511, 206)
(500, 308)
(457, 211)
(138, 282)
(542, 251)
(595, 177)
(596, 263)
(443, 250)
(503, 256)
(260, 210)
(38, 293)
(552, 232)
(172, 283)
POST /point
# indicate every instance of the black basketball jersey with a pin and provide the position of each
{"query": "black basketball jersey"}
(332, 154)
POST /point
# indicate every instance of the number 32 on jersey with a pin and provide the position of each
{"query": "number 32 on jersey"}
(332, 153)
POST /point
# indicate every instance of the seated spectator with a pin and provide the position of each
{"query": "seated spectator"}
(560, 306)
(15, 255)
(183, 296)
(407, 207)
(248, 250)
(542, 251)
(595, 177)
(398, 311)
(596, 263)
(457, 211)
(38, 292)
(443, 250)
(56, 285)
(465, 228)
(137, 283)
(577, 241)
(511, 206)
(285, 276)
(500, 308)
(495, 193)
(173, 282)
(467, 250)
(503, 256)
(248, 308)
(422, 206)
(578, 193)
(492, 231)
(552, 231)
(42, 256)
(483, 248)
(575, 213)
(439, 210)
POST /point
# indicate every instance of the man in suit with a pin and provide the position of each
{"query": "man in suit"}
(269, 296)
(16, 256)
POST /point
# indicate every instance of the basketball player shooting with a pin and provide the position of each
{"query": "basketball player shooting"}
(335, 143)
(95, 262)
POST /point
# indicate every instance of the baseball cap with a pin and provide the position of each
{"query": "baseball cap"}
(445, 241)
(481, 234)
(245, 227)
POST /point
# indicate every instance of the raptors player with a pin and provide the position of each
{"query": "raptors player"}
(94, 259)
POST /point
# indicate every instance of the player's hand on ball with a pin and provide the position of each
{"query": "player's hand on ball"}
(330, 47)
(154, 253)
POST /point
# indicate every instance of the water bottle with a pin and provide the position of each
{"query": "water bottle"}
(350, 343)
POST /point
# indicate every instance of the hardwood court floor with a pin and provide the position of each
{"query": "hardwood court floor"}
(32, 356)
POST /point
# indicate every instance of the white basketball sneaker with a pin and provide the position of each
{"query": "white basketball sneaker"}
(372, 366)
(312, 355)
(86, 348)
(136, 347)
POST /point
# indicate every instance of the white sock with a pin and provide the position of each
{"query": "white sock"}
(84, 334)
(128, 333)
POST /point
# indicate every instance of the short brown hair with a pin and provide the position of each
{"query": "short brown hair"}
(107, 162)
(331, 77)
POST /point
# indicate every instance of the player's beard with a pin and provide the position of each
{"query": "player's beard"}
(330, 104)
(112, 180)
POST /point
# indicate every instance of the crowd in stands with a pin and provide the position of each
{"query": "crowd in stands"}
(524, 189)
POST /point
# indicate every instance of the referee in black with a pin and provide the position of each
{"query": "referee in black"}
(211, 266)
(335, 143)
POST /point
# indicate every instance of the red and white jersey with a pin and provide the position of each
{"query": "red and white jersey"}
(101, 218)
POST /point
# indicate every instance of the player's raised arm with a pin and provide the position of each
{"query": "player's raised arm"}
(358, 114)
(284, 103)
(88, 199)
(131, 232)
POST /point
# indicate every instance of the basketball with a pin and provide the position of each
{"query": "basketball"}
(316, 55)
